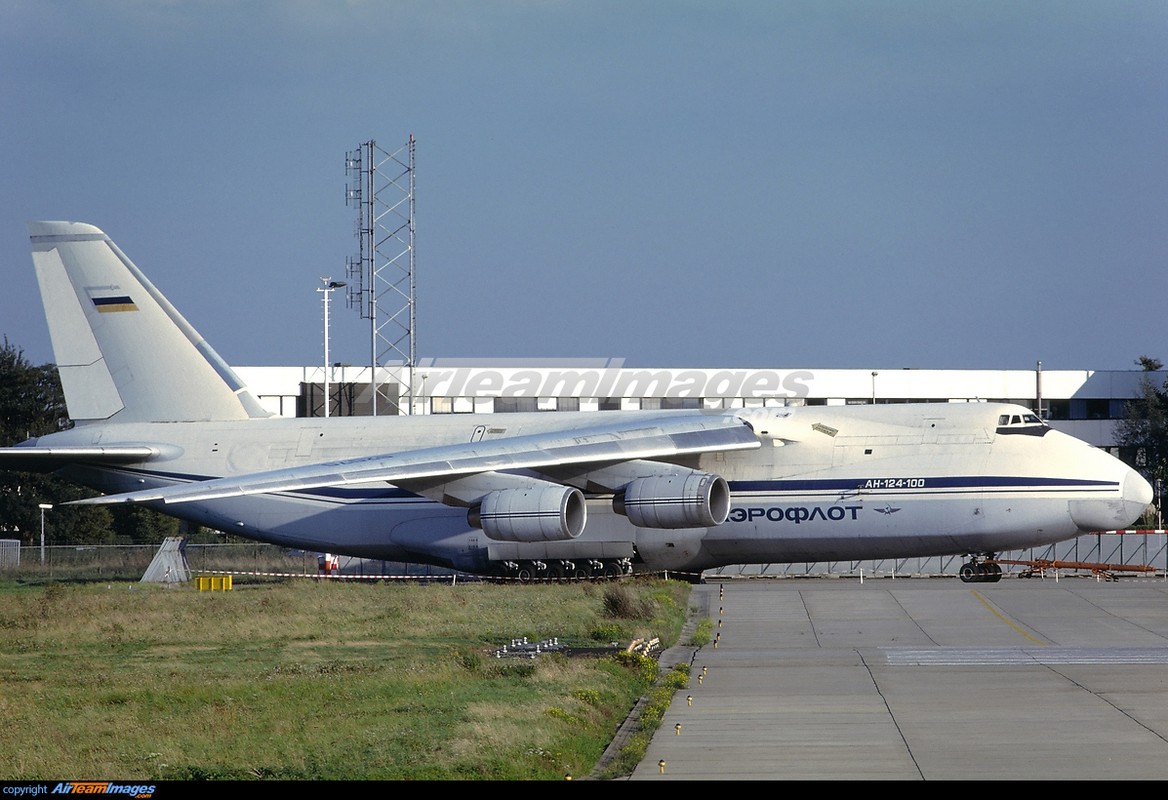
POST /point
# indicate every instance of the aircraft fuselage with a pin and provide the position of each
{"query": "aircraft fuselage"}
(828, 483)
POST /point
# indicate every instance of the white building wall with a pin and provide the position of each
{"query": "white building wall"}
(473, 387)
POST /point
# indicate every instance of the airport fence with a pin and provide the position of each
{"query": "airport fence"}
(1141, 549)
(130, 562)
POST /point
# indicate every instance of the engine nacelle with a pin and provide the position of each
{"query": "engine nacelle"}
(689, 500)
(537, 514)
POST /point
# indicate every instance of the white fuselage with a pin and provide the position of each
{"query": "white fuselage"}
(828, 483)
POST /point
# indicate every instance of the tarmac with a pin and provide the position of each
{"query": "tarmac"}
(1051, 678)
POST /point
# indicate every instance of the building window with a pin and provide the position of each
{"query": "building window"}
(1058, 409)
(1090, 409)
(514, 405)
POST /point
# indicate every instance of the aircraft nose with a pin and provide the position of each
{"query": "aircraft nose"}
(1137, 495)
(1116, 513)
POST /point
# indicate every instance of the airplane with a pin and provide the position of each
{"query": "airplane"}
(161, 420)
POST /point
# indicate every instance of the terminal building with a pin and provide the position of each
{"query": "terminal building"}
(1083, 403)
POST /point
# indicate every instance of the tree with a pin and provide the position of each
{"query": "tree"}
(31, 400)
(135, 524)
(32, 404)
(1142, 434)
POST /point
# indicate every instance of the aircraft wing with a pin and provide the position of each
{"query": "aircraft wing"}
(487, 464)
(46, 459)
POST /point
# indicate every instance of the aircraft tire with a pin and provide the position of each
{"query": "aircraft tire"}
(525, 574)
(611, 572)
(969, 573)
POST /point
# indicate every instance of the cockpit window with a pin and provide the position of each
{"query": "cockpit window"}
(1030, 424)
(1019, 419)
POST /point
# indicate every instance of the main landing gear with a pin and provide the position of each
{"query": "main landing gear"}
(563, 571)
(974, 571)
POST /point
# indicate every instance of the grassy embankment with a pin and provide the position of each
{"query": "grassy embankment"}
(310, 680)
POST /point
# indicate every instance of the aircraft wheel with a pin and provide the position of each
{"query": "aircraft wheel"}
(555, 574)
(995, 573)
(580, 574)
(526, 574)
(969, 573)
(611, 572)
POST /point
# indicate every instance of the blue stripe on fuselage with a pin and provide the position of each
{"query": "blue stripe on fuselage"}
(977, 482)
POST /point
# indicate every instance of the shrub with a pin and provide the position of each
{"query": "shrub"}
(611, 632)
(622, 602)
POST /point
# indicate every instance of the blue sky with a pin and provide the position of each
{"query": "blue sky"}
(826, 184)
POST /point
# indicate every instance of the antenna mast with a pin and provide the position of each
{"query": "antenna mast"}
(381, 275)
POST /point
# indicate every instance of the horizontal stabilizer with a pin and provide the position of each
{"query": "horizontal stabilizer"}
(45, 459)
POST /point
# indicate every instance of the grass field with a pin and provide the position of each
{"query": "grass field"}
(316, 680)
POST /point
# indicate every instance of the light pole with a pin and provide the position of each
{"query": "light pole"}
(43, 507)
(874, 374)
(326, 290)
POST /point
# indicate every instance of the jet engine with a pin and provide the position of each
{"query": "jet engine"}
(688, 500)
(536, 514)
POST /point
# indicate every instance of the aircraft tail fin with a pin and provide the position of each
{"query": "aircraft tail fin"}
(121, 348)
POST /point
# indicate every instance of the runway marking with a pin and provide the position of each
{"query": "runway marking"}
(1006, 656)
(993, 609)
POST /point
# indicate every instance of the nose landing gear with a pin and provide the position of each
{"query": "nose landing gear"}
(975, 571)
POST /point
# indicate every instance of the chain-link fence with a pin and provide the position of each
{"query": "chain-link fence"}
(130, 562)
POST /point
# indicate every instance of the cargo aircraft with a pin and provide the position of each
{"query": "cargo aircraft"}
(161, 420)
